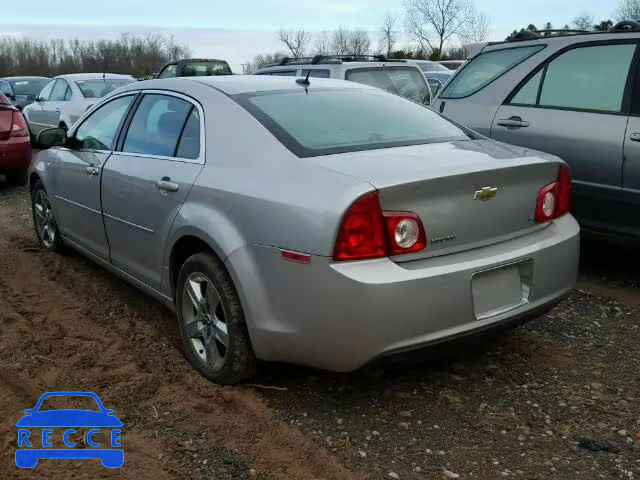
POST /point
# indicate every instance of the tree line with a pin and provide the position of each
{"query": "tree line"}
(139, 56)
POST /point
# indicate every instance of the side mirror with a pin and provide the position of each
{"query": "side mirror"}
(51, 137)
(29, 411)
(109, 411)
(39, 99)
(10, 96)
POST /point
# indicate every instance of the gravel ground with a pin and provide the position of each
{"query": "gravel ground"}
(556, 399)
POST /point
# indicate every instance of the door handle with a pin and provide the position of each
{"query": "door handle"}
(635, 137)
(513, 122)
(167, 185)
(92, 170)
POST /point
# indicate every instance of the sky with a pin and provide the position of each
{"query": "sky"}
(237, 30)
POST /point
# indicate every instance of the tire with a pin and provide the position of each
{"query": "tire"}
(17, 178)
(48, 238)
(223, 359)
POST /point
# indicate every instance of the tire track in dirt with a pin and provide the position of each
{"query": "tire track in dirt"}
(65, 324)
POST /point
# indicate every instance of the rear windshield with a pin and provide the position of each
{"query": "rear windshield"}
(30, 87)
(407, 82)
(327, 121)
(206, 69)
(485, 68)
(98, 88)
(432, 67)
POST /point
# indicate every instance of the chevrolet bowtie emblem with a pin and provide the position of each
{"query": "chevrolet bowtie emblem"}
(487, 193)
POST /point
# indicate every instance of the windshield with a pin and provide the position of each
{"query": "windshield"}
(407, 82)
(327, 121)
(205, 69)
(30, 87)
(67, 402)
(99, 87)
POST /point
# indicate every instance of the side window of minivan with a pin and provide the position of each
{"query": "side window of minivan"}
(570, 80)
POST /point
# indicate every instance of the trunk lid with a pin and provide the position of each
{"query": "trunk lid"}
(6, 121)
(468, 194)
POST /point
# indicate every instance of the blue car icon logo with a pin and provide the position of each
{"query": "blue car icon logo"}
(59, 430)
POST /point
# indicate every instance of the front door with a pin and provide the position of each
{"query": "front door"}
(52, 107)
(145, 184)
(35, 111)
(577, 106)
(77, 175)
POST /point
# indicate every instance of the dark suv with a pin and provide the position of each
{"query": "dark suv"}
(195, 67)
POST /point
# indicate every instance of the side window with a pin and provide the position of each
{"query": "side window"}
(189, 146)
(5, 88)
(156, 125)
(168, 72)
(46, 91)
(485, 68)
(316, 72)
(283, 73)
(59, 92)
(571, 81)
(99, 130)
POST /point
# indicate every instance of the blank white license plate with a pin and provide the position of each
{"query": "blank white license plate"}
(499, 290)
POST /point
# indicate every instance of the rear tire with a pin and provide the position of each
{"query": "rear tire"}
(17, 178)
(44, 220)
(214, 335)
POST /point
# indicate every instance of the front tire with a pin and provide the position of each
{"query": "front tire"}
(44, 220)
(215, 339)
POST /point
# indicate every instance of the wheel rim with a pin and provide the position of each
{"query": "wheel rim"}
(205, 320)
(44, 219)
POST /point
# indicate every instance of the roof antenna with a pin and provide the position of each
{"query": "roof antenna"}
(305, 82)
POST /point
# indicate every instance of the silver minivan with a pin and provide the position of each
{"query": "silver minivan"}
(575, 95)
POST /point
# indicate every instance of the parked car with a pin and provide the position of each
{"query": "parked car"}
(195, 67)
(66, 97)
(326, 223)
(15, 145)
(435, 85)
(395, 76)
(452, 64)
(544, 93)
(22, 91)
(433, 70)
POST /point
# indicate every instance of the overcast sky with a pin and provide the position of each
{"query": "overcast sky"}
(239, 29)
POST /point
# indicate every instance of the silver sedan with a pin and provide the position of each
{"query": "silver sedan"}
(325, 223)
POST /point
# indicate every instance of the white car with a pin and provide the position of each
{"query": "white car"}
(65, 98)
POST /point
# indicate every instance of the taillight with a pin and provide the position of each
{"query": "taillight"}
(19, 126)
(554, 200)
(368, 232)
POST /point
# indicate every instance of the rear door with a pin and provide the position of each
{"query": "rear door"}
(145, 183)
(35, 111)
(52, 108)
(576, 106)
(76, 176)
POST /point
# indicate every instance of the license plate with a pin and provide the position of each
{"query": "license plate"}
(501, 289)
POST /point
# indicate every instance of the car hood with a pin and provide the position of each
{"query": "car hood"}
(69, 418)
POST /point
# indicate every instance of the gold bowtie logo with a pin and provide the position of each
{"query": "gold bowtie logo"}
(487, 193)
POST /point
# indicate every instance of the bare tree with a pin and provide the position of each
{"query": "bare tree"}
(388, 34)
(340, 41)
(296, 41)
(437, 19)
(262, 60)
(477, 28)
(359, 42)
(628, 10)
(322, 44)
(584, 21)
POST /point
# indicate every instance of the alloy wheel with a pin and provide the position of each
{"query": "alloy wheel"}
(44, 219)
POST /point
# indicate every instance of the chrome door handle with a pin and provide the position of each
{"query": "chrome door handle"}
(167, 185)
(635, 137)
(514, 122)
(91, 170)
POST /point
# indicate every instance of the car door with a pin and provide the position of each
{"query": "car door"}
(35, 111)
(52, 107)
(571, 109)
(77, 172)
(145, 183)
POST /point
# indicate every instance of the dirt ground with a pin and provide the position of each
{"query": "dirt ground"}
(533, 403)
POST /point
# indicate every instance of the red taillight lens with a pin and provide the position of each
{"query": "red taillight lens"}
(19, 126)
(554, 200)
(361, 234)
(368, 232)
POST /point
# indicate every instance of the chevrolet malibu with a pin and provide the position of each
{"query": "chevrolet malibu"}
(317, 222)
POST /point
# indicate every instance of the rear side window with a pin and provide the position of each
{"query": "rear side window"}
(316, 73)
(485, 68)
(326, 121)
(570, 81)
(189, 146)
(281, 73)
(157, 125)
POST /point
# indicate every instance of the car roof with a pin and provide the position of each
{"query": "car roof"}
(93, 76)
(239, 84)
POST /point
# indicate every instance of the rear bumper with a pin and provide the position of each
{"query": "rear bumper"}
(15, 153)
(340, 316)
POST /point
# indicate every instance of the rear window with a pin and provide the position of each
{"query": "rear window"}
(327, 121)
(407, 82)
(99, 88)
(485, 68)
(29, 87)
(206, 69)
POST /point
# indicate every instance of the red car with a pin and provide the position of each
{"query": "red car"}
(15, 144)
